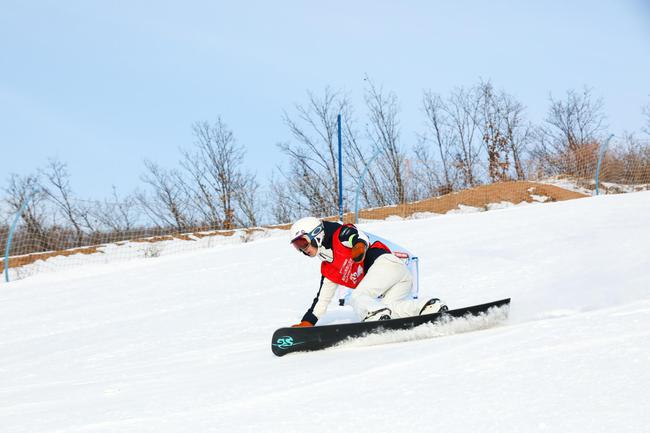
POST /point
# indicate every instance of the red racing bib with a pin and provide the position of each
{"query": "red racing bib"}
(343, 270)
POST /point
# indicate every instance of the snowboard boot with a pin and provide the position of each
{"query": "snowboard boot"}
(433, 306)
(381, 314)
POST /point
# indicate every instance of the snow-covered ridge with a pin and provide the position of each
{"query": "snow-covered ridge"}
(588, 187)
(146, 248)
(507, 194)
(161, 246)
(182, 343)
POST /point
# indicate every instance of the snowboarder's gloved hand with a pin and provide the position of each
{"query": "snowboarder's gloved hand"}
(302, 324)
(359, 251)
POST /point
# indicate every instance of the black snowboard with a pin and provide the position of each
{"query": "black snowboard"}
(288, 340)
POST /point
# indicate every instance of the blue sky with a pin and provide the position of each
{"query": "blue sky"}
(103, 85)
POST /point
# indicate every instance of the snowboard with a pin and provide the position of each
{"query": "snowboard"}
(289, 340)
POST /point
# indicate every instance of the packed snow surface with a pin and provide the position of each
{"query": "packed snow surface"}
(182, 343)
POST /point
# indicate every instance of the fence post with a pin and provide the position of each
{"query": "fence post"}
(11, 232)
(363, 176)
(417, 277)
(601, 154)
(340, 170)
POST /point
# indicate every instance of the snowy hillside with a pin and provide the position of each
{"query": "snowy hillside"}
(182, 343)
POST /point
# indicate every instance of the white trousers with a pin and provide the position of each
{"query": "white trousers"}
(388, 283)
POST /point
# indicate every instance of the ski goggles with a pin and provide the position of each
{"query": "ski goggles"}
(301, 242)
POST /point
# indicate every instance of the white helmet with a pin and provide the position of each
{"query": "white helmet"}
(310, 227)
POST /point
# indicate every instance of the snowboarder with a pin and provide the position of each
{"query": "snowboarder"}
(381, 281)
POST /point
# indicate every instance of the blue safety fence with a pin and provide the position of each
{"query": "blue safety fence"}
(601, 155)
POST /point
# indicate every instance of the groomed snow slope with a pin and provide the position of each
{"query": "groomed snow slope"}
(182, 343)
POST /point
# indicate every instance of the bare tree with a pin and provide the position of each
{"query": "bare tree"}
(463, 110)
(167, 206)
(383, 131)
(428, 173)
(199, 190)
(248, 202)
(22, 189)
(220, 185)
(117, 214)
(357, 158)
(312, 175)
(576, 121)
(210, 190)
(646, 111)
(284, 207)
(57, 189)
(495, 141)
(439, 132)
(567, 140)
(519, 133)
(504, 132)
(218, 157)
(627, 161)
